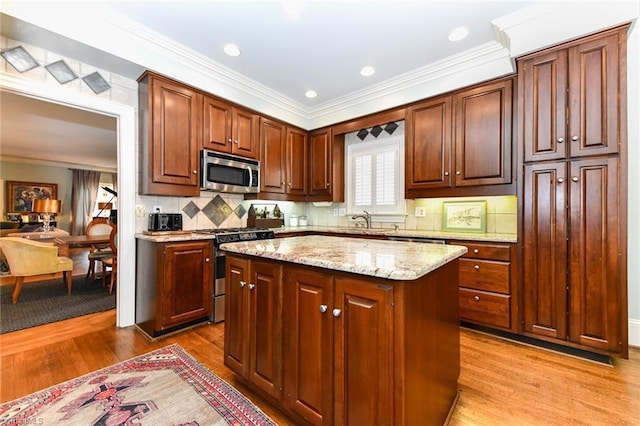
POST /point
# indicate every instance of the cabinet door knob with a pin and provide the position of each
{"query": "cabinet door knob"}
(195, 172)
(336, 312)
(476, 298)
(477, 267)
(560, 180)
(207, 260)
(574, 178)
(560, 140)
(574, 138)
(252, 286)
(236, 141)
(243, 283)
(446, 173)
(458, 172)
(476, 251)
(323, 308)
(327, 185)
(229, 140)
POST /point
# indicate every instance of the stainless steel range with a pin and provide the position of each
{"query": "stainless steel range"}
(228, 235)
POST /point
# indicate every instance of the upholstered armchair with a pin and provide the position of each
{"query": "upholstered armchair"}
(27, 258)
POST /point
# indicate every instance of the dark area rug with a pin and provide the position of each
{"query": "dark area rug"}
(43, 302)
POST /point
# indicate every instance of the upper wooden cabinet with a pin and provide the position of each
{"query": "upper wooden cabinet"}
(283, 160)
(326, 165)
(227, 128)
(297, 161)
(273, 136)
(169, 135)
(569, 98)
(461, 144)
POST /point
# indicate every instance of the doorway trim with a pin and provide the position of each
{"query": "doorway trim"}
(125, 116)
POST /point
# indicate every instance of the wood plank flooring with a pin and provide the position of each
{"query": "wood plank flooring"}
(501, 382)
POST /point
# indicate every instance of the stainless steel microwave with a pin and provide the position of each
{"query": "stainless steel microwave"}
(228, 173)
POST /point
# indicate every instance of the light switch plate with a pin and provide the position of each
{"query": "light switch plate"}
(420, 212)
(140, 210)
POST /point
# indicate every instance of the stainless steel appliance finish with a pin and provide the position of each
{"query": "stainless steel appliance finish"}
(228, 235)
(228, 173)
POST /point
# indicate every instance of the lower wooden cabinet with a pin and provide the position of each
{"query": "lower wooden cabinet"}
(173, 284)
(487, 285)
(335, 348)
(253, 322)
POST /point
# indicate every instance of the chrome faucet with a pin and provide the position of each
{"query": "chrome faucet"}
(366, 216)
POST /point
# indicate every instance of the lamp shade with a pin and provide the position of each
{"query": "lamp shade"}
(46, 206)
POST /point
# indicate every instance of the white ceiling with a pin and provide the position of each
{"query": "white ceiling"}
(323, 48)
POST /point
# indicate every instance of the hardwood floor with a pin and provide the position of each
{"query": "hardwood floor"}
(501, 382)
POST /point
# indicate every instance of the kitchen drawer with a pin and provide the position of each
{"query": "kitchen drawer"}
(486, 251)
(485, 308)
(485, 275)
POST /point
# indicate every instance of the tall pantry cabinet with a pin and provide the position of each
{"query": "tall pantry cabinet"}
(572, 124)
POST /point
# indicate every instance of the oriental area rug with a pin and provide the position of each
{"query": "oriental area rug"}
(163, 387)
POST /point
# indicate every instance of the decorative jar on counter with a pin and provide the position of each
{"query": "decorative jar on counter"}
(293, 220)
(302, 220)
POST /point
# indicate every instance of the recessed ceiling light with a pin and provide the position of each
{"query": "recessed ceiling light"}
(458, 33)
(311, 94)
(231, 50)
(367, 71)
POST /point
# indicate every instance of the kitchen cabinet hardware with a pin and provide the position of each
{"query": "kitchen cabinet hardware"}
(252, 286)
(476, 251)
(476, 267)
(207, 260)
(336, 312)
(229, 140)
(560, 140)
(243, 283)
(476, 298)
(560, 180)
(574, 138)
(574, 178)
(323, 308)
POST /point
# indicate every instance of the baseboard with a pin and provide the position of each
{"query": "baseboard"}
(634, 332)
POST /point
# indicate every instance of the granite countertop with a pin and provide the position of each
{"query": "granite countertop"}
(382, 232)
(404, 233)
(396, 260)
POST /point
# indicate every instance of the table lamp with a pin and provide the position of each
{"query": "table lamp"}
(46, 208)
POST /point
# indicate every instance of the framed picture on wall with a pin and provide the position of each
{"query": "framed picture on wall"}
(20, 195)
(464, 216)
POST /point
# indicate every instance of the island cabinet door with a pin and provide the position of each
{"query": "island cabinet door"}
(265, 341)
(236, 335)
(363, 368)
(308, 353)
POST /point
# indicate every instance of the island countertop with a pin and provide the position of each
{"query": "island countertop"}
(395, 260)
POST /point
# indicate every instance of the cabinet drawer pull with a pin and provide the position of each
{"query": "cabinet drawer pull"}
(243, 283)
(323, 308)
(476, 251)
(336, 312)
(476, 267)
(476, 298)
(252, 286)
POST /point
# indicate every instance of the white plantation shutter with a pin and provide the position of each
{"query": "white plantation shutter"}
(375, 175)
(362, 175)
(386, 178)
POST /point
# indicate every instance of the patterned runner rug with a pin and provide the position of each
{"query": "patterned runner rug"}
(163, 387)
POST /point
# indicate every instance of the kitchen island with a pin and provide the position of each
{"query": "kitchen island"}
(344, 330)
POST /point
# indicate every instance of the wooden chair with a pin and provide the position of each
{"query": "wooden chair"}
(27, 258)
(97, 252)
(111, 262)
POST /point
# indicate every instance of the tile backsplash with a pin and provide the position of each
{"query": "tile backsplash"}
(217, 210)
